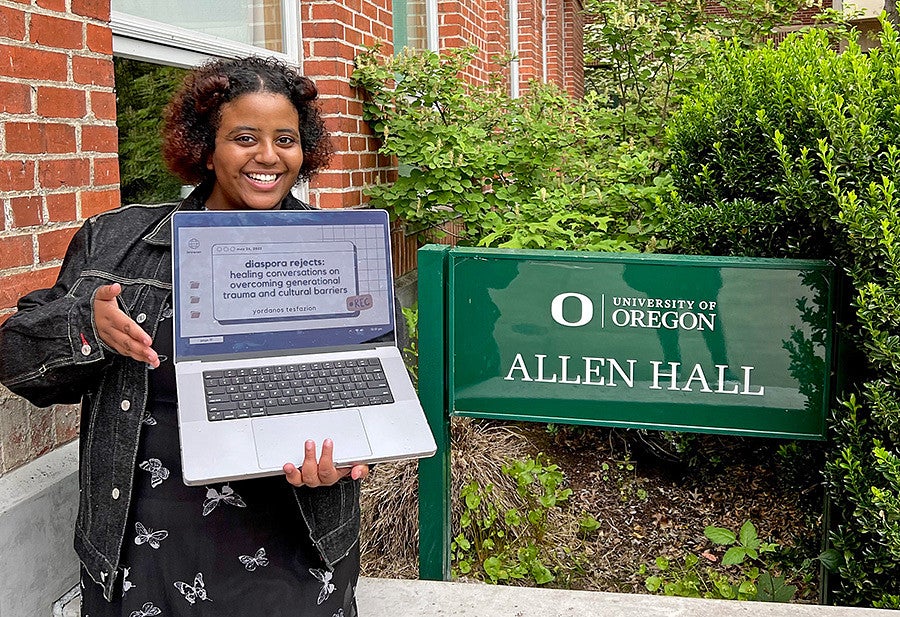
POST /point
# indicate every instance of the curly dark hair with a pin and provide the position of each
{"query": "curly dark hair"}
(192, 117)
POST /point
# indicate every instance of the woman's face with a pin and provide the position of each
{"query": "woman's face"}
(257, 155)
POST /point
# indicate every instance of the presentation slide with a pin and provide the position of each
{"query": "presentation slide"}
(285, 280)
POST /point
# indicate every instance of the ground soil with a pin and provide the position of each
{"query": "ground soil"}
(652, 494)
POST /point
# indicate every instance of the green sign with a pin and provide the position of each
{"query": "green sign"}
(706, 344)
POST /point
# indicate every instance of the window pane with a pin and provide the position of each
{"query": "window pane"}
(142, 91)
(252, 22)
(416, 24)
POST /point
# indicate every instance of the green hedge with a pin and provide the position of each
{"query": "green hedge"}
(794, 151)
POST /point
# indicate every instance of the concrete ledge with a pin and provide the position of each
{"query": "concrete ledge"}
(377, 597)
(38, 504)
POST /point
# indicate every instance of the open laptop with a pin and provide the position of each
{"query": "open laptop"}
(284, 331)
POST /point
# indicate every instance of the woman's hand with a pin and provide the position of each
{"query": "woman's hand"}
(323, 473)
(118, 330)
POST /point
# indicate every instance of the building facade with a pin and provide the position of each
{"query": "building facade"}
(58, 134)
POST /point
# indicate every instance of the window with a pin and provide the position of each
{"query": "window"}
(187, 33)
(415, 24)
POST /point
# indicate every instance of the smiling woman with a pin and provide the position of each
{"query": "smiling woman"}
(244, 131)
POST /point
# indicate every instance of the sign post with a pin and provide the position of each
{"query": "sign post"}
(733, 346)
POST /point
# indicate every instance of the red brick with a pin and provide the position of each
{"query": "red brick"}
(56, 32)
(15, 98)
(61, 102)
(331, 11)
(99, 139)
(99, 39)
(12, 23)
(98, 9)
(95, 71)
(103, 105)
(95, 202)
(65, 423)
(333, 49)
(322, 30)
(328, 180)
(27, 63)
(52, 244)
(39, 138)
(17, 285)
(106, 171)
(16, 251)
(26, 211)
(61, 207)
(17, 175)
(40, 433)
(54, 174)
(53, 5)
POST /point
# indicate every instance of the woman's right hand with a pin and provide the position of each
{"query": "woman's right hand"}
(119, 331)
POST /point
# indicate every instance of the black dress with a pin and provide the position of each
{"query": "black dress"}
(230, 550)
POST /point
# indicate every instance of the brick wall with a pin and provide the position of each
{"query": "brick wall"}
(58, 166)
(333, 33)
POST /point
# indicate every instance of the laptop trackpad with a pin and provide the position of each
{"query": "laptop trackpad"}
(280, 439)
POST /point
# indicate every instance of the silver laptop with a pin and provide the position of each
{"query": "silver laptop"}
(284, 332)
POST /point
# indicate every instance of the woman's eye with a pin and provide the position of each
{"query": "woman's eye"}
(286, 141)
(244, 139)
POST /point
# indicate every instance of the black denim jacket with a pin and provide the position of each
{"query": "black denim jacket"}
(50, 353)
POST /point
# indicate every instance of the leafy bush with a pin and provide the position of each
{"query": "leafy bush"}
(503, 546)
(142, 91)
(751, 578)
(540, 171)
(792, 152)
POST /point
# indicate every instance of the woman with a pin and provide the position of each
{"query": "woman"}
(245, 131)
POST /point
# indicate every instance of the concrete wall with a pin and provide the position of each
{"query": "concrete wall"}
(38, 503)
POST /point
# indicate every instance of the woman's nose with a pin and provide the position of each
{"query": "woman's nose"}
(266, 153)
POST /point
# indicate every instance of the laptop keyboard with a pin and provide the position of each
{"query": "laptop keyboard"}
(295, 388)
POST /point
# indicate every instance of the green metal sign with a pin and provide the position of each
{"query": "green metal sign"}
(706, 344)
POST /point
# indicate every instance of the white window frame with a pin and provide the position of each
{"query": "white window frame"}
(137, 38)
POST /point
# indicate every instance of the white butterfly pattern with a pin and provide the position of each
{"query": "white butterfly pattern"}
(148, 610)
(258, 561)
(324, 577)
(126, 584)
(148, 536)
(194, 592)
(339, 613)
(149, 420)
(213, 497)
(158, 473)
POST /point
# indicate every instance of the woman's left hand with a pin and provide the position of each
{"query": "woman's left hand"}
(323, 472)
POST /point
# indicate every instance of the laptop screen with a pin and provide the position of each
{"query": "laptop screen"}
(254, 283)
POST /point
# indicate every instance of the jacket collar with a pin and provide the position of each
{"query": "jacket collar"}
(161, 235)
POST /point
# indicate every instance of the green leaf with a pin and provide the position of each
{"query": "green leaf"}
(720, 535)
(653, 583)
(748, 537)
(733, 556)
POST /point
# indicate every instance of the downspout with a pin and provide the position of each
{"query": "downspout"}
(514, 48)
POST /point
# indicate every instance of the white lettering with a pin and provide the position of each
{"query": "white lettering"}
(587, 309)
(518, 365)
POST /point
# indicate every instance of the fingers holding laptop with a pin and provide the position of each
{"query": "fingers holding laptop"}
(322, 473)
(118, 330)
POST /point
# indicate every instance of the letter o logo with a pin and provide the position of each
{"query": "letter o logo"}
(587, 309)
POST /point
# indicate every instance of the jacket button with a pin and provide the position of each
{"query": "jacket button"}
(125, 405)
(141, 318)
(85, 350)
(115, 493)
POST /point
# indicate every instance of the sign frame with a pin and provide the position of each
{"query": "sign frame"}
(443, 271)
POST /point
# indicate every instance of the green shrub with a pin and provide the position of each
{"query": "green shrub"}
(539, 171)
(793, 152)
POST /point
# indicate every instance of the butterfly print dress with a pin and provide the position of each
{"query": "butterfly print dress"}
(228, 550)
